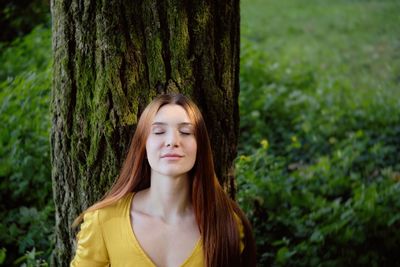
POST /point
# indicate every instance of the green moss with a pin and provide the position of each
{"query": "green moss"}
(227, 78)
(202, 18)
(181, 70)
(155, 62)
(93, 148)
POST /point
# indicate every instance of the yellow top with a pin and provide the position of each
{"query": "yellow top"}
(106, 238)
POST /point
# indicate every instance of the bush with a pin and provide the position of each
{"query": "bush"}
(26, 200)
(321, 189)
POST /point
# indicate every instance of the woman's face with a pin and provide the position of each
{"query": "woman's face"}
(171, 145)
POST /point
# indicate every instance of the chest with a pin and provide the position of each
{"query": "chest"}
(166, 244)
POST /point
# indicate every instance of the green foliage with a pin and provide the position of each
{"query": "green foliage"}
(30, 260)
(19, 17)
(318, 214)
(318, 168)
(26, 200)
(31, 53)
(2, 255)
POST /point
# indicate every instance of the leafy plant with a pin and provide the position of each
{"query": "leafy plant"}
(26, 200)
(318, 168)
(30, 260)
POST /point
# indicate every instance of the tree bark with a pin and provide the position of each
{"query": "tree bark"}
(110, 59)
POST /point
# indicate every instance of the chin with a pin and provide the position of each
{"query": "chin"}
(174, 173)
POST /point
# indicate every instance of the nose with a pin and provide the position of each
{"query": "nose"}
(172, 139)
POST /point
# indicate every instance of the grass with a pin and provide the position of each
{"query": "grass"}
(354, 41)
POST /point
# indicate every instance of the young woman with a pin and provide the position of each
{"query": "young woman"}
(167, 207)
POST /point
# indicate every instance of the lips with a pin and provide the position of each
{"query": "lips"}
(171, 155)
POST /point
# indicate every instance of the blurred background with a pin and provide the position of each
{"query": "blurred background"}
(318, 169)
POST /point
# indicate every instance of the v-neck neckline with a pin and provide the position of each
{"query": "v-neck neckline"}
(136, 243)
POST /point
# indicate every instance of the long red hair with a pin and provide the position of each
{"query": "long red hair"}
(214, 210)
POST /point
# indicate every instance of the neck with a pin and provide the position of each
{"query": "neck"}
(169, 197)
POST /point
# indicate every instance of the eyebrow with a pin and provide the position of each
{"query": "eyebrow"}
(180, 124)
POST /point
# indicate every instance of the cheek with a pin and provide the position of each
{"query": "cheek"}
(150, 146)
(151, 142)
(147, 146)
(194, 149)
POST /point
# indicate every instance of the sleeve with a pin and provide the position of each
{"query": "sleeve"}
(91, 250)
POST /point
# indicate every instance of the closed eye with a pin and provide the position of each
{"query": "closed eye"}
(158, 133)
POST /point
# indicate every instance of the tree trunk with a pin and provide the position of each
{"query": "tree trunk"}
(110, 59)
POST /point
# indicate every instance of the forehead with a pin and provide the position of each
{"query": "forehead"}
(171, 114)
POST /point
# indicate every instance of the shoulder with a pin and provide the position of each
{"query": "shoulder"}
(103, 222)
(90, 221)
(90, 247)
(114, 210)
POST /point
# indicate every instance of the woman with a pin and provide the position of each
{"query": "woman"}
(167, 207)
